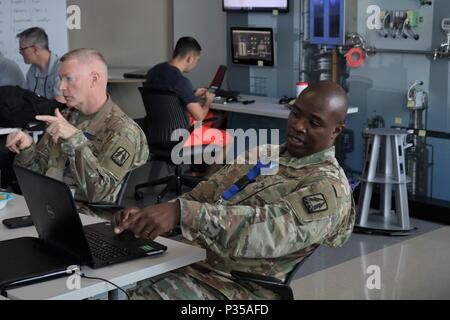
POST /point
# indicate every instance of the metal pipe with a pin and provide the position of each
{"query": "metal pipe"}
(377, 50)
(335, 67)
(436, 53)
(305, 21)
(304, 39)
(300, 44)
(358, 41)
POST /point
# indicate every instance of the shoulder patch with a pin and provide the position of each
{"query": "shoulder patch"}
(315, 203)
(120, 156)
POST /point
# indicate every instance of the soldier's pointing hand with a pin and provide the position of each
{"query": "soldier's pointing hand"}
(58, 126)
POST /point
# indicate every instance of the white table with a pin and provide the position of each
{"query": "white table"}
(35, 134)
(263, 106)
(124, 274)
(5, 131)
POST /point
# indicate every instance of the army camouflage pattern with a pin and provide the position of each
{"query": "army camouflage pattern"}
(265, 229)
(93, 161)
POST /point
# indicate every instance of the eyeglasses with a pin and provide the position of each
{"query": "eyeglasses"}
(25, 48)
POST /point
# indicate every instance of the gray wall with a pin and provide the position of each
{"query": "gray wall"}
(205, 21)
(134, 33)
(140, 33)
(377, 88)
(439, 110)
(380, 86)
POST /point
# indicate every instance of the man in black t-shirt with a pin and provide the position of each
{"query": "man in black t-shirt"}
(169, 76)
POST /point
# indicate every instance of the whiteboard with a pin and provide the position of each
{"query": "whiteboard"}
(18, 15)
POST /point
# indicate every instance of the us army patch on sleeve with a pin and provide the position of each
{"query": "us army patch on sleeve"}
(120, 156)
(315, 203)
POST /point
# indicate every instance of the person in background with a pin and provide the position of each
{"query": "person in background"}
(10, 75)
(170, 76)
(43, 76)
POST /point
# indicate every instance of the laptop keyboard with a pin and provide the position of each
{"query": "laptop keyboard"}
(102, 249)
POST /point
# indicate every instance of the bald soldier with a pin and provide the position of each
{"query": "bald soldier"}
(268, 226)
(91, 145)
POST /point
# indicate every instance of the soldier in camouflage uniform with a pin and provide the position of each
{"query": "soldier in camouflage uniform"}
(270, 225)
(91, 145)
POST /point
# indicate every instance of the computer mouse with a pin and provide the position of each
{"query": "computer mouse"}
(231, 99)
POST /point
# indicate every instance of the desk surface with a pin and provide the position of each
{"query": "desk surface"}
(124, 274)
(263, 106)
(5, 131)
(115, 75)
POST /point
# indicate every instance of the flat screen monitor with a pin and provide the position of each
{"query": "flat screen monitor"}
(252, 46)
(256, 5)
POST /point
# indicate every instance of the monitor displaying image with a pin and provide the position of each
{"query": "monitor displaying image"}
(256, 5)
(252, 46)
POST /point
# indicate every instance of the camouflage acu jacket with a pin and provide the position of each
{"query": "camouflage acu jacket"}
(273, 223)
(95, 160)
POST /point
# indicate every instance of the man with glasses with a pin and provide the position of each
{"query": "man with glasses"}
(42, 79)
(43, 75)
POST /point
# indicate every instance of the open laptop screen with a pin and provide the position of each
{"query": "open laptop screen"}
(218, 79)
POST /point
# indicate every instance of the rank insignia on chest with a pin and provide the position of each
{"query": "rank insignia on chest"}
(315, 203)
(120, 156)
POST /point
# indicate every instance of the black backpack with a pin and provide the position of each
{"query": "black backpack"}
(19, 106)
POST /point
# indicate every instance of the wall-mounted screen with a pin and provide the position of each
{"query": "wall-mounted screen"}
(252, 46)
(256, 5)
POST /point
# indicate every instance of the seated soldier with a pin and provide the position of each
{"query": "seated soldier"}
(266, 226)
(90, 146)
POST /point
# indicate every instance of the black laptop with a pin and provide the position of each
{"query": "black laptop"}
(216, 83)
(63, 241)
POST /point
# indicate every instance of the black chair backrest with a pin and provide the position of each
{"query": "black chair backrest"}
(118, 203)
(165, 114)
(123, 188)
(294, 271)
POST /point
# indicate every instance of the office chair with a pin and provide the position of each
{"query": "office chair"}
(282, 288)
(116, 206)
(165, 113)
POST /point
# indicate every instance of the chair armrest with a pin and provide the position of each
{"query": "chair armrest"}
(270, 283)
(192, 181)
